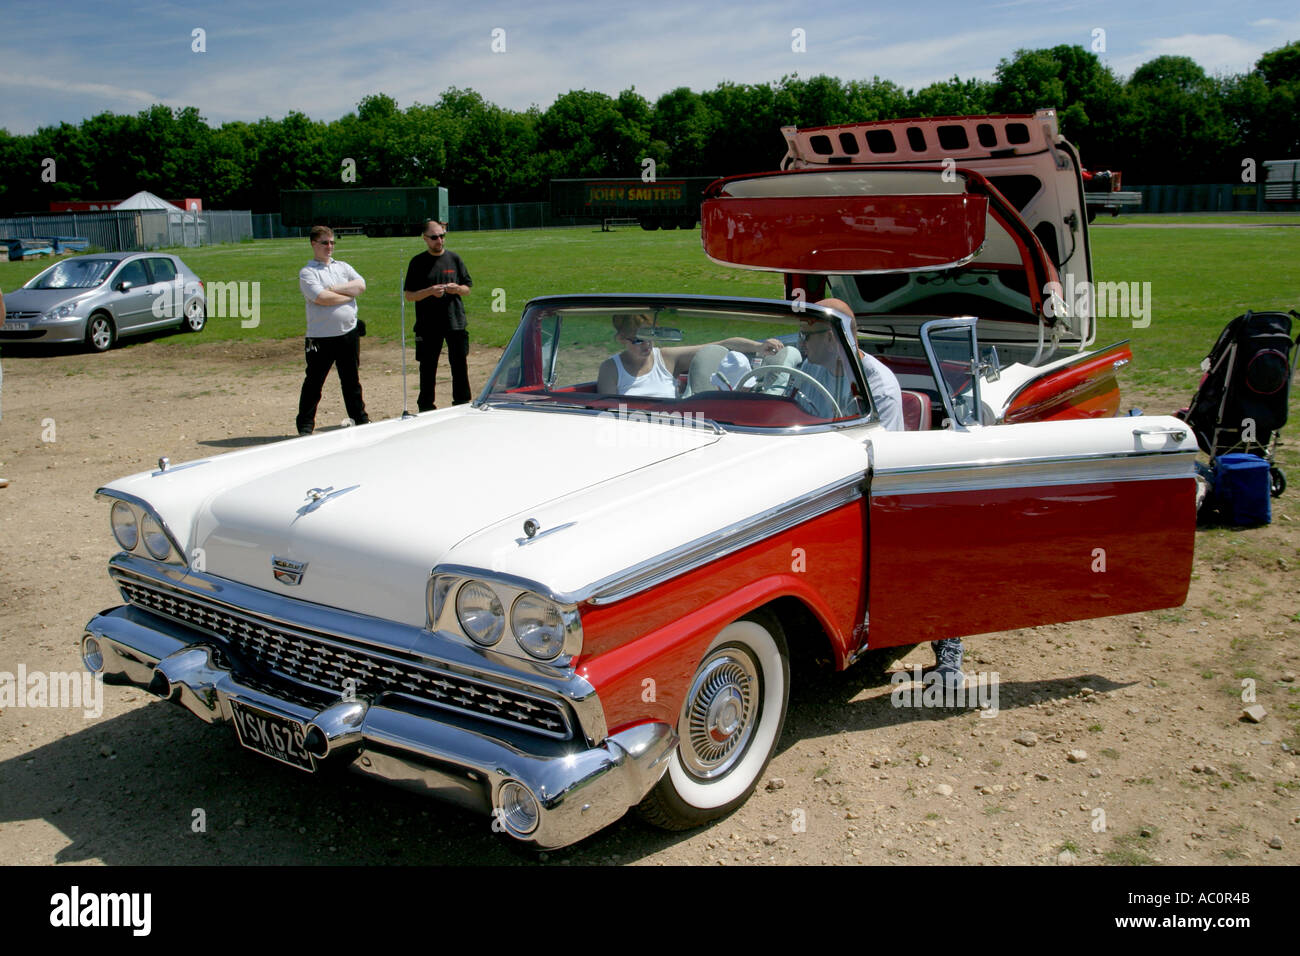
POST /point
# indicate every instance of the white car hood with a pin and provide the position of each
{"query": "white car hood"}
(372, 520)
(396, 499)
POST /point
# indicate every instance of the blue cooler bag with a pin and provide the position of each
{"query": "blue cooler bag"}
(1242, 489)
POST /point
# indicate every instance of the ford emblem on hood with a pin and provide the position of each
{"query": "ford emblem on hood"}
(286, 571)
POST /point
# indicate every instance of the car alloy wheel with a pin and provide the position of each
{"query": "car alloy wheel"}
(196, 316)
(100, 332)
(729, 726)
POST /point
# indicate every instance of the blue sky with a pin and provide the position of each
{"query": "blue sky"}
(64, 61)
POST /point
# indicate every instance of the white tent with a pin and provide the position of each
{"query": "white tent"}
(145, 200)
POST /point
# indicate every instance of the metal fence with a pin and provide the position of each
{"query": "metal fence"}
(128, 230)
(1201, 197)
(504, 215)
(270, 225)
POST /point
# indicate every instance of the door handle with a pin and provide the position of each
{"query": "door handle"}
(1178, 433)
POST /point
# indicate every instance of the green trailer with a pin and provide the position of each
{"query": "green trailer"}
(662, 203)
(381, 211)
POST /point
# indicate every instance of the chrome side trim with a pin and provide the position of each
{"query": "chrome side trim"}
(1033, 472)
(378, 636)
(711, 547)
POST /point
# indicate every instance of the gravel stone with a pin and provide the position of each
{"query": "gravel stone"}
(1255, 713)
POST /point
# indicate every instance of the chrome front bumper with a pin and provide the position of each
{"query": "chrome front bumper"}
(576, 790)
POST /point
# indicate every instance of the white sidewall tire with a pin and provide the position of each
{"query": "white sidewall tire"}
(710, 794)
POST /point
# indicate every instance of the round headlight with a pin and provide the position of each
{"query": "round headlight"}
(125, 528)
(538, 625)
(155, 539)
(480, 613)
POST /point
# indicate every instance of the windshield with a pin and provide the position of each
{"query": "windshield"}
(73, 274)
(719, 365)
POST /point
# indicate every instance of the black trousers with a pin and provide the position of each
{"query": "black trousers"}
(343, 351)
(428, 349)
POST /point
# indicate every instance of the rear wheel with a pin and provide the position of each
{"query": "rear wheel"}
(195, 317)
(1277, 481)
(101, 333)
(729, 726)
(649, 225)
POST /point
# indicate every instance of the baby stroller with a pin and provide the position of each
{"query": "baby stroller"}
(1241, 404)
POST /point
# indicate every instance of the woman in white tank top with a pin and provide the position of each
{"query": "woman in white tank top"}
(645, 371)
(655, 383)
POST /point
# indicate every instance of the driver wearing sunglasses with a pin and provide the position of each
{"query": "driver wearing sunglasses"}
(824, 362)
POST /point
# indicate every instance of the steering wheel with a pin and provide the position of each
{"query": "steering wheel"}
(774, 370)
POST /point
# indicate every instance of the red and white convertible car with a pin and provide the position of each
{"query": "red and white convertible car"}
(558, 603)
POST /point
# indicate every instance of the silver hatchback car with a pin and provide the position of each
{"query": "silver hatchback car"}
(94, 299)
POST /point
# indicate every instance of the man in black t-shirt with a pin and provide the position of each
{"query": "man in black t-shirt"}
(436, 281)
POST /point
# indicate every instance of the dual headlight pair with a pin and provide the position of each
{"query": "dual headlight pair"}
(129, 529)
(541, 627)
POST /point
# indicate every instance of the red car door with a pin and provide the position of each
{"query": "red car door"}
(995, 528)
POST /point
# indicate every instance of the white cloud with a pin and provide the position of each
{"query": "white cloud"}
(37, 81)
(1215, 52)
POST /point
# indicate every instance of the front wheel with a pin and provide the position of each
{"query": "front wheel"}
(100, 332)
(729, 726)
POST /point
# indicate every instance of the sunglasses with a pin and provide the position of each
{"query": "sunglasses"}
(805, 336)
(436, 235)
(637, 340)
(324, 242)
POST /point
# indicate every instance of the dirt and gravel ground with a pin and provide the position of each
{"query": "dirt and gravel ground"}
(1114, 741)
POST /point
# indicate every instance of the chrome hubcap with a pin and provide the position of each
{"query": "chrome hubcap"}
(720, 713)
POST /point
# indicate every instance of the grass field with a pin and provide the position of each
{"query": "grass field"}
(1199, 279)
(1200, 218)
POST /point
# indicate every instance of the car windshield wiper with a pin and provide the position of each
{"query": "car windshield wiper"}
(536, 403)
(693, 419)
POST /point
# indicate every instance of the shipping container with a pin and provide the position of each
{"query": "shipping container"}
(381, 211)
(663, 203)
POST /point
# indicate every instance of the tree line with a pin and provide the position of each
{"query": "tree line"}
(1170, 122)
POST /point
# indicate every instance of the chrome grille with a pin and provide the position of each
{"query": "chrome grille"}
(325, 662)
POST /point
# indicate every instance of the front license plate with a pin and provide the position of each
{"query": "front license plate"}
(274, 736)
(16, 326)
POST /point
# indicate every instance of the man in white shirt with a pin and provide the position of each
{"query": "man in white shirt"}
(888, 399)
(331, 288)
(824, 363)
